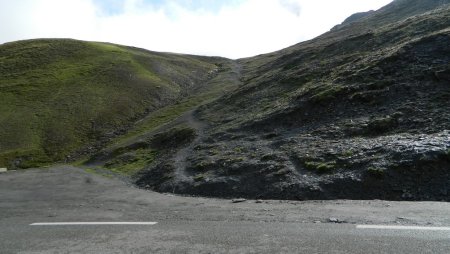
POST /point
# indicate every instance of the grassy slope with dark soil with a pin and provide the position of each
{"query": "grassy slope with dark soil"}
(360, 112)
(63, 97)
(177, 123)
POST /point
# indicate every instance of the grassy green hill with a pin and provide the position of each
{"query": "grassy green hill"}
(61, 96)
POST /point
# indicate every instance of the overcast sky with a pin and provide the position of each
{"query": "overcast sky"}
(229, 28)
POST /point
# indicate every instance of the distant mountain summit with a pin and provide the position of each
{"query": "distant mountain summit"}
(353, 18)
(395, 11)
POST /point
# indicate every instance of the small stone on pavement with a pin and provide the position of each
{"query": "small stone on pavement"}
(238, 200)
(334, 220)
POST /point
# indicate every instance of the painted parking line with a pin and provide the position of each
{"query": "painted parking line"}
(395, 227)
(90, 223)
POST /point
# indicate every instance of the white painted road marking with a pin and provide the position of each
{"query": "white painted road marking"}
(402, 227)
(89, 223)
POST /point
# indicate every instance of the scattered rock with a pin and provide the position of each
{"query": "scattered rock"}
(238, 200)
(336, 220)
(407, 196)
(333, 220)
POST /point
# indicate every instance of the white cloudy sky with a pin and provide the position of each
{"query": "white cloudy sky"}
(230, 28)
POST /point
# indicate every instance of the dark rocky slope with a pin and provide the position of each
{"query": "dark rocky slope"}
(361, 112)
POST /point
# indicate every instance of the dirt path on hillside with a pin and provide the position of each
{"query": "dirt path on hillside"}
(181, 156)
(236, 69)
(190, 119)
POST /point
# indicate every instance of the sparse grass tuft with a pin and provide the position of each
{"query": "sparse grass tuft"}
(130, 163)
(320, 167)
(331, 92)
(376, 172)
(199, 177)
(348, 153)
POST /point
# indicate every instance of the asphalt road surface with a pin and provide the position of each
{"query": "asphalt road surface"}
(98, 214)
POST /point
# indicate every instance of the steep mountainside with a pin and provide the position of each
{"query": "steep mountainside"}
(60, 98)
(360, 112)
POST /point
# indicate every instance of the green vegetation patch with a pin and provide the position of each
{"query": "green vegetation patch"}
(215, 88)
(348, 153)
(24, 159)
(202, 177)
(381, 124)
(131, 162)
(321, 167)
(159, 118)
(330, 92)
(203, 166)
